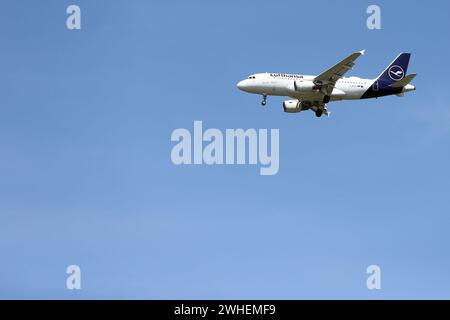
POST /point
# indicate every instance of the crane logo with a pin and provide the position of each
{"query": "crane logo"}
(396, 73)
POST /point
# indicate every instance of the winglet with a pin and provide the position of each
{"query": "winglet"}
(362, 51)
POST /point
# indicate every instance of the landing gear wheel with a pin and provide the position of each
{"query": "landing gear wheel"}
(264, 101)
(326, 99)
(319, 113)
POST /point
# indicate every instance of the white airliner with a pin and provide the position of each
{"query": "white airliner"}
(314, 92)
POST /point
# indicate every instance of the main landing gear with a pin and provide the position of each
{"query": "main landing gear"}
(326, 99)
(319, 113)
(264, 100)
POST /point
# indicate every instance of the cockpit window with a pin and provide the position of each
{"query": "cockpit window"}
(252, 77)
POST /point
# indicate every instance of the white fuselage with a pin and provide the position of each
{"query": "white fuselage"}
(281, 84)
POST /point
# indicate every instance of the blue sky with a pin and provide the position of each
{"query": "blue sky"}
(86, 176)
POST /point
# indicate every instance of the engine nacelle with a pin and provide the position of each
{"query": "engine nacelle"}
(292, 106)
(304, 86)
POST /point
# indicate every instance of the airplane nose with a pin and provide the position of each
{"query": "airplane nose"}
(243, 85)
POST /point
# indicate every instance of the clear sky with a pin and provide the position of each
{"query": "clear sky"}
(86, 176)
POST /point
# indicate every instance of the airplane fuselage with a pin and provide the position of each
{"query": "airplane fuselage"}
(283, 84)
(314, 92)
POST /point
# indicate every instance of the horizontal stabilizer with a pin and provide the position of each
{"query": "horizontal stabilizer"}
(406, 80)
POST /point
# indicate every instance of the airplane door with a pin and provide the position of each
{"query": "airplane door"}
(375, 86)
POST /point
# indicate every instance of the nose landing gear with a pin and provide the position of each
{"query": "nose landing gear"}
(264, 100)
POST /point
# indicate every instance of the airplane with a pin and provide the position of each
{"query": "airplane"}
(314, 92)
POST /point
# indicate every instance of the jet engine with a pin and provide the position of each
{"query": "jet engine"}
(292, 106)
(305, 86)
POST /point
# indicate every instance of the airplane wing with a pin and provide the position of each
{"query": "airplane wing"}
(328, 78)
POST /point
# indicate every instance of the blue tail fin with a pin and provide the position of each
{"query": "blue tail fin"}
(396, 71)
